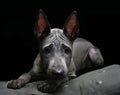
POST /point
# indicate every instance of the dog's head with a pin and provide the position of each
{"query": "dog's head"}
(56, 44)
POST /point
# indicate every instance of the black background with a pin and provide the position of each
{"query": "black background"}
(99, 23)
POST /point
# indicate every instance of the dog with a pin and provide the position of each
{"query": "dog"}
(62, 54)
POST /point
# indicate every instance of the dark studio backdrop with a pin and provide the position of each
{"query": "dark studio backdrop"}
(99, 23)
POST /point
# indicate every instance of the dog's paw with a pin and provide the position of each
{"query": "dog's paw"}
(15, 84)
(46, 87)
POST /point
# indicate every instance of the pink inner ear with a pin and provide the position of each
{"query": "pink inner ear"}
(72, 25)
(42, 23)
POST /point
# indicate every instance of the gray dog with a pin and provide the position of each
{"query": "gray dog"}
(61, 55)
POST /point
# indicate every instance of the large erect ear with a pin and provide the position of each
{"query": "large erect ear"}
(42, 27)
(71, 27)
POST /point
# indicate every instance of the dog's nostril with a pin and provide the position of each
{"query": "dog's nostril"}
(58, 71)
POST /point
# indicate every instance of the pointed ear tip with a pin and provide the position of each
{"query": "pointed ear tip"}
(41, 11)
(74, 12)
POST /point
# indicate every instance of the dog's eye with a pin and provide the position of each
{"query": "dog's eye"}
(47, 50)
(67, 50)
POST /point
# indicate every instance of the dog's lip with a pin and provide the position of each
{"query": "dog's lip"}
(56, 76)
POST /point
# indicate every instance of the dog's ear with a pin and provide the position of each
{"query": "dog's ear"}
(71, 27)
(42, 26)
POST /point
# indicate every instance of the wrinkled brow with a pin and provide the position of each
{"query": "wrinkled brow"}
(56, 37)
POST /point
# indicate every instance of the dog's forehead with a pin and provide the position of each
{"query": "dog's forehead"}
(56, 31)
(56, 36)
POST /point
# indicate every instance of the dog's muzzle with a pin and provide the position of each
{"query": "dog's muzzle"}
(58, 72)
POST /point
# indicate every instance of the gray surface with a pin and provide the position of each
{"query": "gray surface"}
(104, 81)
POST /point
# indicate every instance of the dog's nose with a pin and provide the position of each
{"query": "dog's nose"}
(58, 72)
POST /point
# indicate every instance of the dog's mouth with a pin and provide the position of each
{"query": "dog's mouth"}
(56, 74)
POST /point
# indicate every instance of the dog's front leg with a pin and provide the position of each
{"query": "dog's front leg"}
(20, 82)
(34, 74)
(51, 85)
(24, 79)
